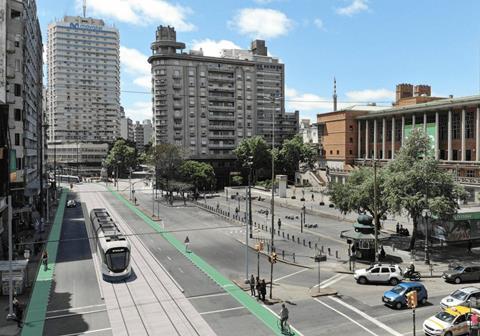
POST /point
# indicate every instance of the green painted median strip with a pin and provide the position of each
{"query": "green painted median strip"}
(243, 298)
(37, 308)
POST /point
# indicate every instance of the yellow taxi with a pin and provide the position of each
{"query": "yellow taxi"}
(450, 322)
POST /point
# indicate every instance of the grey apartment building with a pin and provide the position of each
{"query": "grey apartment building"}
(84, 92)
(20, 108)
(208, 105)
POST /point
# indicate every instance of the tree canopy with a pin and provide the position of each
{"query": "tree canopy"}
(199, 174)
(292, 153)
(121, 156)
(167, 159)
(256, 150)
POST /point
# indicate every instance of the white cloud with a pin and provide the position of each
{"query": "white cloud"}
(261, 22)
(371, 95)
(139, 110)
(318, 23)
(355, 7)
(135, 63)
(295, 100)
(141, 12)
(212, 47)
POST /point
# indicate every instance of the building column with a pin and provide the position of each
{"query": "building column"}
(393, 137)
(403, 130)
(366, 139)
(384, 133)
(374, 139)
(359, 140)
(463, 135)
(449, 147)
(437, 136)
(413, 122)
(477, 135)
(425, 123)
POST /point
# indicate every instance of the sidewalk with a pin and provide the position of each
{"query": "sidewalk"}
(9, 328)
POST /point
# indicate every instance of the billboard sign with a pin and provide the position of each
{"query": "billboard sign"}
(431, 132)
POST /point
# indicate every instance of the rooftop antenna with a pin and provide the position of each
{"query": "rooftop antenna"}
(334, 94)
(84, 8)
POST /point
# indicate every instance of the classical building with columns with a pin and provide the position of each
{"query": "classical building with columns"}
(453, 124)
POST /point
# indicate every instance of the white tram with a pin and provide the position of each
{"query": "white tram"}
(113, 247)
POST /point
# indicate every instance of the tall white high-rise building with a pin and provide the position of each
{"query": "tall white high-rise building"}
(83, 61)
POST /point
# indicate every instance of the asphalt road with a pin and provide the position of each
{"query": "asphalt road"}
(75, 305)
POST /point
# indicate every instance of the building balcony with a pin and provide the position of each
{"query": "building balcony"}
(222, 146)
(222, 127)
(217, 88)
(220, 108)
(221, 136)
(221, 79)
(221, 98)
(221, 117)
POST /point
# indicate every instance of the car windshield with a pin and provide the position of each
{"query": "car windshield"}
(458, 269)
(398, 289)
(446, 317)
(459, 295)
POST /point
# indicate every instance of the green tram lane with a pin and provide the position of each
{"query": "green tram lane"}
(263, 314)
(37, 307)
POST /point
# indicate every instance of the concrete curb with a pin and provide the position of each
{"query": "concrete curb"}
(327, 291)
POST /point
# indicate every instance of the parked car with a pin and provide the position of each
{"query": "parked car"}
(71, 204)
(461, 297)
(379, 273)
(452, 322)
(396, 298)
(462, 273)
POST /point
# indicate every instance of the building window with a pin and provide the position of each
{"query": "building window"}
(338, 152)
(351, 140)
(389, 133)
(17, 89)
(454, 155)
(398, 132)
(17, 139)
(370, 131)
(455, 126)
(331, 152)
(443, 128)
(470, 173)
(469, 125)
(389, 154)
(468, 155)
(351, 152)
(18, 115)
(15, 15)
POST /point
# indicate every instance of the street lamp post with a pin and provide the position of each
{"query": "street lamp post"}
(375, 210)
(273, 97)
(303, 219)
(426, 214)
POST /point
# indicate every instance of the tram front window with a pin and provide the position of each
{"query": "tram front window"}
(117, 259)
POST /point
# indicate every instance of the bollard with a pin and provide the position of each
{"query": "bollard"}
(322, 249)
(336, 254)
(255, 223)
(268, 248)
(262, 227)
(316, 246)
(283, 254)
(288, 236)
(304, 242)
(293, 255)
(329, 251)
(293, 238)
(283, 234)
(309, 244)
(298, 240)
(393, 247)
(278, 232)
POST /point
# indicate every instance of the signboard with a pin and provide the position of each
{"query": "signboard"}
(76, 25)
(3, 51)
(462, 227)
(431, 132)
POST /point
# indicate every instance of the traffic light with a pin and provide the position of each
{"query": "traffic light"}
(412, 299)
(272, 258)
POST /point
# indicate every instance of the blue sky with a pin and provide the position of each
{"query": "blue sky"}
(368, 45)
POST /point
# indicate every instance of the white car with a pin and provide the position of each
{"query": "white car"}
(391, 274)
(461, 297)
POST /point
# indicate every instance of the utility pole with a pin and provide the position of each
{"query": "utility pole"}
(246, 238)
(375, 210)
(10, 272)
(273, 196)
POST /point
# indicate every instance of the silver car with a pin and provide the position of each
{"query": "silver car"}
(461, 297)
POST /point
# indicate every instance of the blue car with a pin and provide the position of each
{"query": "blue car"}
(396, 298)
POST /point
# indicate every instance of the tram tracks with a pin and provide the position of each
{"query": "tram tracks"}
(151, 301)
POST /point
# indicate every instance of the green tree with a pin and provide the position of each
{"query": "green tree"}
(294, 152)
(199, 174)
(121, 156)
(237, 180)
(167, 159)
(256, 150)
(416, 182)
(357, 194)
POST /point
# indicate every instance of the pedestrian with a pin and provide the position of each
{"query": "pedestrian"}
(252, 285)
(279, 224)
(469, 246)
(263, 288)
(19, 315)
(187, 242)
(258, 286)
(135, 200)
(266, 213)
(45, 260)
(218, 206)
(313, 198)
(382, 253)
(397, 227)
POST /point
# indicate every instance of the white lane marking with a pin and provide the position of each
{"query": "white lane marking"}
(222, 310)
(76, 308)
(327, 281)
(208, 295)
(291, 327)
(74, 314)
(346, 316)
(292, 274)
(368, 317)
(332, 281)
(159, 248)
(88, 332)
(180, 270)
(169, 258)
